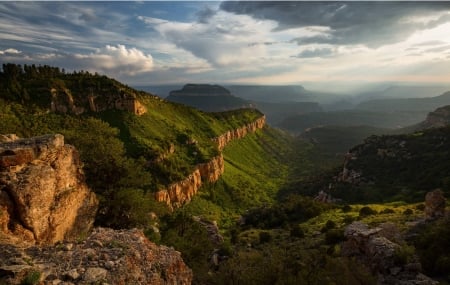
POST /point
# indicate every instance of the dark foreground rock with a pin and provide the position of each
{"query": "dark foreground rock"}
(106, 257)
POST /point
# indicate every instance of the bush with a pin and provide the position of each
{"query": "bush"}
(32, 278)
(346, 208)
(297, 231)
(334, 236)
(367, 211)
(420, 207)
(328, 226)
(264, 237)
(387, 211)
(408, 212)
(348, 220)
(403, 254)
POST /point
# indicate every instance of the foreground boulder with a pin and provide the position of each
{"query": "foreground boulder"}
(435, 204)
(105, 257)
(43, 195)
(385, 253)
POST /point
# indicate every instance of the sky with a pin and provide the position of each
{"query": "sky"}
(322, 44)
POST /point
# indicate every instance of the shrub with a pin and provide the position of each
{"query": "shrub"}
(265, 237)
(420, 207)
(328, 226)
(334, 236)
(346, 208)
(297, 231)
(408, 212)
(403, 254)
(32, 278)
(387, 211)
(367, 211)
(348, 220)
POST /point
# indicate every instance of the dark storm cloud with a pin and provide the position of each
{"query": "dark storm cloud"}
(371, 23)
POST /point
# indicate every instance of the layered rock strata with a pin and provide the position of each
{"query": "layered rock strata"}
(43, 195)
(181, 192)
(238, 133)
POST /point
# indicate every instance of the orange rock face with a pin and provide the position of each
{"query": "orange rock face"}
(43, 196)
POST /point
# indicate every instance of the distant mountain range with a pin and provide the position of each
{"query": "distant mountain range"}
(406, 104)
(215, 98)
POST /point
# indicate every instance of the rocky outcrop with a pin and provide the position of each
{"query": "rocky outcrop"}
(238, 133)
(62, 101)
(436, 119)
(181, 192)
(43, 195)
(105, 257)
(383, 255)
(435, 204)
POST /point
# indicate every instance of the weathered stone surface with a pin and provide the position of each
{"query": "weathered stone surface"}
(434, 204)
(43, 195)
(127, 257)
(379, 253)
(212, 229)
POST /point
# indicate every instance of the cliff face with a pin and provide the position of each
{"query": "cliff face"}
(181, 192)
(105, 257)
(436, 119)
(225, 138)
(43, 196)
(63, 101)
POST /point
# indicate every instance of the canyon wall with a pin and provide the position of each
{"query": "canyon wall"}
(181, 192)
(43, 195)
(238, 133)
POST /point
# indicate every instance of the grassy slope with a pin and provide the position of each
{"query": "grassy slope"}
(255, 169)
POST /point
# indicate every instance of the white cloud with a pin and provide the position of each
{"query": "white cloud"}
(117, 59)
(226, 39)
(10, 51)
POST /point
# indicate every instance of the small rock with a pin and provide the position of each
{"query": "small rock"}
(97, 243)
(109, 264)
(68, 247)
(94, 274)
(56, 282)
(395, 270)
(72, 274)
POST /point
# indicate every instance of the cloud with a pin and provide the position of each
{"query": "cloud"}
(316, 52)
(373, 24)
(10, 51)
(205, 14)
(225, 39)
(112, 60)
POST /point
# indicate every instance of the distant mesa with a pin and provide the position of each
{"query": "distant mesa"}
(208, 97)
(201, 90)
